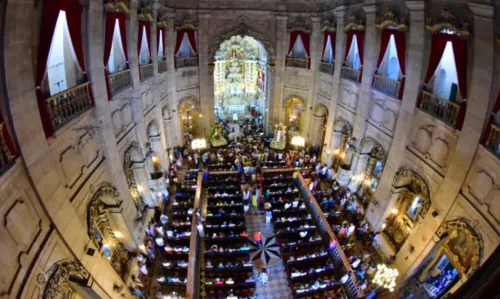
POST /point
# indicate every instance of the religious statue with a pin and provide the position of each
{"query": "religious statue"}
(279, 139)
(217, 139)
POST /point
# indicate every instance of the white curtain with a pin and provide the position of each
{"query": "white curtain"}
(298, 50)
(185, 50)
(328, 54)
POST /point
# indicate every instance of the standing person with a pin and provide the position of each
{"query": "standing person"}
(263, 277)
(246, 205)
(254, 201)
(269, 216)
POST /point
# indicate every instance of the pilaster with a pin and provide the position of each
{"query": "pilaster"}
(205, 77)
(316, 47)
(171, 80)
(282, 37)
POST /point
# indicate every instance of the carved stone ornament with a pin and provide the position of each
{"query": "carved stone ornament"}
(389, 20)
(376, 150)
(353, 23)
(40, 279)
(58, 281)
(117, 6)
(242, 30)
(299, 25)
(186, 23)
(328, 26)
(272, 67)
(106, 189)
(406, 177)
(346, 126)
(294, 98)
(447, 21)
(463, 245)
(211, 68)
(145, 15)
(162, 22)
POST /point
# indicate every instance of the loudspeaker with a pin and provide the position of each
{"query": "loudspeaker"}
(90, 251)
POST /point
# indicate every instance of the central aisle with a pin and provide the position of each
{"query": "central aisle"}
(277, 285)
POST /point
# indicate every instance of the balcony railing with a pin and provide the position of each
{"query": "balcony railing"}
(440, 108)
(186, 62)
(387, 85)
(146, 71)
(162, 66)
(119, 81)
(66, 105)
(326, 68)
(297, 62)
(493, 142)
(350, 74)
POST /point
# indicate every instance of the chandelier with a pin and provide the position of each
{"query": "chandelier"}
(198, 144)
(386, 277)
(298, 141)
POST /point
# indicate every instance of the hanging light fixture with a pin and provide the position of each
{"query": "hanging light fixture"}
(386, 277)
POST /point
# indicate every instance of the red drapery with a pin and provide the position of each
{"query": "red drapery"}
(111, 18)
(400, 41)
(305, 40)
(459, 45)
(360, 36)
(162, 30)
(50, 13)
(332, 36)
(178, 42)
(487, 130)
(6, 137)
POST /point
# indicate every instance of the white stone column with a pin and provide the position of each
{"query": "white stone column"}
(278, 80)
(205, 77)
(371, 49)
(315, 49)
(481, 77)
(340, 13)
(102, 112)
(415, 40)
(171, 81)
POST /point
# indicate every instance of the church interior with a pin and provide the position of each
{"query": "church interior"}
(272, 149)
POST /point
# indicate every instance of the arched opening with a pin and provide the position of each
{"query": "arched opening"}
(68, 279)
(294, 115)
(189, 112)
(342, 131)
(412, 204)
(369, 167)
(320, 117)
(240, 79)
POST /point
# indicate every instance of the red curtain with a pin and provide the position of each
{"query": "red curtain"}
(178, 42)
(348, 42)
(487, 130)
(293, 38)
(384, 43)
(400, 40)
(6, 137)
(306, 40)
(109, 28)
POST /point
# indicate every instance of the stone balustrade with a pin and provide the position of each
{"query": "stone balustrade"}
(326, 68)
(186, 62)
(493, 142)
(68, 104)
(386, 85)
(350, 74)
(298, 63)
(440, 108)
(162, 66)
(119, 81)
(146, 71)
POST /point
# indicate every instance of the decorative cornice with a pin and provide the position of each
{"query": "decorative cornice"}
(353, 23)
(186, 23)
(446, 20)
(117, 6)
(299, 25)
(389, 20)
(328, 26)
(145, 15)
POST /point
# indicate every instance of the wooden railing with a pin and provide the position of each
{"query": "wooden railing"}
(350, 74)
(119, 81)
(326, 67)
(297, 62)
(194, 267)
(440, 108)
(493, 142)
(68, 104)
(186, 62)
(337, 253)
(146, 71)
(162, 66)
(6, 157)
(387, 85)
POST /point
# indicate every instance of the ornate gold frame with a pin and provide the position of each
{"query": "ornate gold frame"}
(353, 23)
(389, 20)
(446, 20)
(117, 6)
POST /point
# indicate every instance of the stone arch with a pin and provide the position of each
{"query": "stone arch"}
(60, 274)
(188, 100)
(243, 30)
(153, 128)
(370, 146)
(294, 99)
(106, 195)
(320, 110)
(166, 112)
(462, 244)
(341, 124)
(133, 154)
(408, 178)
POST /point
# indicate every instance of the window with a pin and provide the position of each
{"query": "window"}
(390, 64)
(185, 50)
(445, 77)
(414, 208)
(160, 46)
(144, 53)
(328, 54)
(116, 62)
(353, 60)
(299, 50)
(63, 71)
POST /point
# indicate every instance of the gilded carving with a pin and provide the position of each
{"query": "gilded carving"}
(328, 26)
(117, 6)
(299, 24)
(389, 20)
(353, 23)
(145, 15)
(58, 281)
(186, 23)
(408, 178)
(447, 21)
(376, 150)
